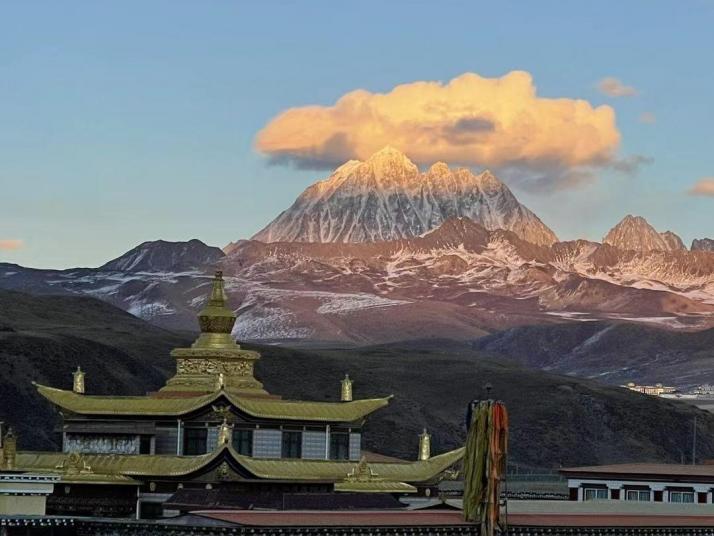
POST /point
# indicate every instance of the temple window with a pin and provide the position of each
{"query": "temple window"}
(681, 496)
(638, 495)
(292, 444)
(339, 446)
(243, 442)
(144, 444)
(593, 494)
(195, 441)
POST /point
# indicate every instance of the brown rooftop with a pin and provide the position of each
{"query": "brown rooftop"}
(649, 469)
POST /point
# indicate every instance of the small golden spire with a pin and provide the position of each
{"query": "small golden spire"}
(78, 383)
(220, 381)
(9, 450)
(216, 320)
(346, 394)
(424, 445)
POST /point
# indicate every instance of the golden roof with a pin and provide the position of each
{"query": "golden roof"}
(125, 466)
(269, 408)
(376, 486)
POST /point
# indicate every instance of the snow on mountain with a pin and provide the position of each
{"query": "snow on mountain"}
(703, 244)
(455, 281)
(636, 234)
(386, 197)
(163, 256)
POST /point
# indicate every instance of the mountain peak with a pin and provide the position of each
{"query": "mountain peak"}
(439, 168)
(164, 256)
(702, 244)
(674, 241)
(387, 198)
(635, 233)
(387, 159)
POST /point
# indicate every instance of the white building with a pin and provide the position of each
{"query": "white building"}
(642, 482)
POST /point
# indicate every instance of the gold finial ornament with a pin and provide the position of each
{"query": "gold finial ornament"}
(346, 394)
(78, 383)
(9, 450)
(424, 445)
(225, 433)
(221, 381)
(362, 472)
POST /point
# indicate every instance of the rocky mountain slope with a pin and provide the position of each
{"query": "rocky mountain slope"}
(703, 244)
(387, 198)
(163, 256)
(457, 281)
(635, 233)
(574, 422)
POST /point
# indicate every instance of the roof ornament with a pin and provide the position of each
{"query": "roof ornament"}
(78, 381)
(74, 464)
(424, 445)
(346, 393)
(9, 450)
(362, 472)
(220, 382)
(225, 433)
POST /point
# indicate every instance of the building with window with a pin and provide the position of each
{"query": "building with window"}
(212, 427)
(642, 482)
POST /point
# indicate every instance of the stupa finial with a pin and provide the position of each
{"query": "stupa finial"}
(218, 293)
(215, 318)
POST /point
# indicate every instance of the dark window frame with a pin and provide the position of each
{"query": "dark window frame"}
(195, 441)
(291, 444)
(340, 446)
(243, 441)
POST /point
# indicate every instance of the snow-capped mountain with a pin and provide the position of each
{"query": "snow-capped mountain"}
(386, 197)
(163, 256)
(636, 234)
(702, 244)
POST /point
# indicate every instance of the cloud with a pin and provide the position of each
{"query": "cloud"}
(648, 118)
(10, 244)
(704, 186)
(630, 165)
(612, 87)
(499, 123)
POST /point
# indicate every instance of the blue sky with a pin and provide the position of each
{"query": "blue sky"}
(130, 121)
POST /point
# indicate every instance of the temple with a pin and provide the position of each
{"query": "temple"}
(213, 435)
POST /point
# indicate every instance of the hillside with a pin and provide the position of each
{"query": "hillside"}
(45, 338)
(612, 352)
(555, 419)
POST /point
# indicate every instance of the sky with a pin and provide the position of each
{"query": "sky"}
(131, 121)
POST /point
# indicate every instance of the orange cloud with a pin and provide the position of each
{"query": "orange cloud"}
(648, 118)
(703, 186)
(10, 244)
(471, 120)
(612, 87)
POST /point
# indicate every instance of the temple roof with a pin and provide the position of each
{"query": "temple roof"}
(260, 407)
(127, 467)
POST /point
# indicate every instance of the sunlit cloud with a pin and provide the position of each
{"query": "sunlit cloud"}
(612, 87)
(648, 118)
(704, 186)
(498, 123)
(6, 245)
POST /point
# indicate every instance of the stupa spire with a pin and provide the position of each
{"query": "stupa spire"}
(215, 362)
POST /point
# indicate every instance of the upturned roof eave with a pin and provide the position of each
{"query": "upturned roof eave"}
(294, 410)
